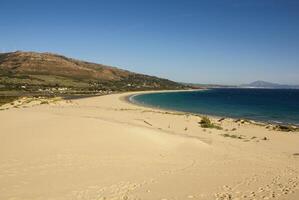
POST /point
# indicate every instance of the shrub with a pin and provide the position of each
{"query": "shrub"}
(205, 122)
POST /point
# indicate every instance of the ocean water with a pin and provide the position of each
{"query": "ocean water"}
(267, 105)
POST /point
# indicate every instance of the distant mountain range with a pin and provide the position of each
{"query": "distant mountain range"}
(264, 84)
(255, 84)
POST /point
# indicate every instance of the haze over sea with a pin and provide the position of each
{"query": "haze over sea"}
(267, 105)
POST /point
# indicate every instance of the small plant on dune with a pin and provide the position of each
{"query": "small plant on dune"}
(265, 138)
(232, 136)
(205, 122)
(221, 119)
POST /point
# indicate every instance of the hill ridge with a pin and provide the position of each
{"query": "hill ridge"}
(35, 70)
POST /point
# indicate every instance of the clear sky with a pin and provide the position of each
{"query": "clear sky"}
(203, 41)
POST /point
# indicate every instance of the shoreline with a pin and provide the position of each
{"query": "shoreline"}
(128, 95)
(216, 117)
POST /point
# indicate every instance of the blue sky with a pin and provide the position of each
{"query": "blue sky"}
(203, 41)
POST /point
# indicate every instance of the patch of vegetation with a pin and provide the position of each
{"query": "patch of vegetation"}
(286, 128)
(232, 136)
(7, 99)
(205, 122)
(44, 102)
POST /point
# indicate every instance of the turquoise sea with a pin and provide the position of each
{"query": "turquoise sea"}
(267, 105)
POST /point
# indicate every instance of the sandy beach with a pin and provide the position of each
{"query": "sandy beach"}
(106, 148)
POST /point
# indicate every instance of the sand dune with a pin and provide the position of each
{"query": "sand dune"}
(106, 148)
